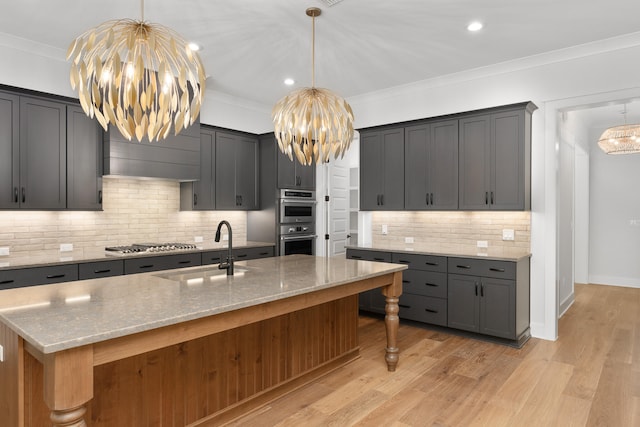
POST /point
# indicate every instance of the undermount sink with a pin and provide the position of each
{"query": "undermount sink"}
(210, 272)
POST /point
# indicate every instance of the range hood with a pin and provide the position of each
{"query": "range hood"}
(177, 157)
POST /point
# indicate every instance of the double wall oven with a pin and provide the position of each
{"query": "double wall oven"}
(296, 222)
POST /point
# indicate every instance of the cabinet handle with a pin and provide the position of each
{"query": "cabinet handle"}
(55, 276)
(378, 200)
(486, 198)
(476, 283)
(435, 264)
(406, 281)
(241, 256)
(427, 197)
(146, 266)
(355, 257)
(378, 259)
(431, 284)
(101, 271)
(15, 194)
(195, 199)
(481, 290)
(5, 282)
(404, 306)
(264, 253)
(241, 201)
(184, 262)
(24, 197)
(215, 259)
(499, 270)
(100, 196)
(464, 266)
(428, 310)
(382, 199)
(492, 197)
(432, 198)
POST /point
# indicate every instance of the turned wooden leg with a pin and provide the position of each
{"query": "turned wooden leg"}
(391, 321)
(69, 417)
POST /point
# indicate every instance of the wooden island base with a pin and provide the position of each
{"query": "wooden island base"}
(198, 373)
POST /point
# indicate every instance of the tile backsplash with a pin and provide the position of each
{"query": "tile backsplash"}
(134, 211)
(455, 229)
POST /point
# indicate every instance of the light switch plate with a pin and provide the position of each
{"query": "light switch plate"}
(385, 230)
(225, 237)
(4, 251)
(408, 239)
(508, 234)
(66, 247)
(483, 244)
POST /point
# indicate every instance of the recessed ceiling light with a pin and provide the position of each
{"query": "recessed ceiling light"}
(194, 47)
(474, 26)
(289, 81)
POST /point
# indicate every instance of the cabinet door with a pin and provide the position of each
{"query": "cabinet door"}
(508, 168)
(225, 171)
(9, 151)
(474, 162)
(498, 307)
(306, 176)
(371, 177)
(204, 190)
(462, 302)
(84, 161)
(416, 167)
(393, 161)
(382, 170)
(246, 172)
(286, 169)
(43, 140)
(443, 165)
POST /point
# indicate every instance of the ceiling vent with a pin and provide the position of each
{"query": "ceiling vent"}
(331, 2)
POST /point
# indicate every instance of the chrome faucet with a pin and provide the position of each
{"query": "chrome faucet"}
(229, 264)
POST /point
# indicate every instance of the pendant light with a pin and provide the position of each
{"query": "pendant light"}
(142, 77)
(313, 122)
(624, 139)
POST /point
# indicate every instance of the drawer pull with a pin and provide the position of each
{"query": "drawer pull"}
(5, 282)
(402, 261)
(55, 276)
(404, 306)
(428, 310)
(184, 262)
(102, 271)
(464, 266)
(264, 253)
(242, 256)
(499, 270)
(215, 259)
(356, 257)
(406, 281)
(435, 264)
(431, 284)
(146, 266)
(378, 259)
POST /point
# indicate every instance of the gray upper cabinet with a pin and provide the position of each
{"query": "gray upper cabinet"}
(431, 166)
(495, 160)
(201, 194)
(236, 171)
(292, 174)
(382, 170)
(43, 154)
(9, 151)
(84, 161)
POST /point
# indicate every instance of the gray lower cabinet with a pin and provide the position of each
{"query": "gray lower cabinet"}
(382, 170)
(236, 171)
(239, 254)
(489, 297)
(372, 300)
(84, 161)
(431, 166)
(95, 270)
(21, 277)
(424, 288)
(161, 262)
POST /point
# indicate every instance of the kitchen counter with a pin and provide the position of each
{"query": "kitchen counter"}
(49, 258)
(494, 253)
(77, 326)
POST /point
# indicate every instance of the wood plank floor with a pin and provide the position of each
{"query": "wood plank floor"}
(590, 376)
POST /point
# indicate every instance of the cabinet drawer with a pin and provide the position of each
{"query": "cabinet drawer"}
(214, 257)
(369, 255)
(93, 270)
(165, 262)
(421, 262)
(423, 309)
(484, 268)
(38, 276)
(242, 254)
(427, 283)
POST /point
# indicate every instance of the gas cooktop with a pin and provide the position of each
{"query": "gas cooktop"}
(150, 247)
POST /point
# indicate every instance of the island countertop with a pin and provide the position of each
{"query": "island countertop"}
(68, 315)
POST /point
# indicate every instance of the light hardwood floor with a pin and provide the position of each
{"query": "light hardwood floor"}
(590, 376)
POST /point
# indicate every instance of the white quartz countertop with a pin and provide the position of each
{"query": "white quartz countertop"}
(72, 314)
(494, 253)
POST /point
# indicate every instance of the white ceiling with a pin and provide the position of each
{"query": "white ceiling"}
(362, 46)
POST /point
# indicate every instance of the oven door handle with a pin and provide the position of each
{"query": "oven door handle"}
(305, 202)
(305, 237)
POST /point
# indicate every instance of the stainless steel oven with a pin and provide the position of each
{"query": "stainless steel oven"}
(297, 206)
(297, 239)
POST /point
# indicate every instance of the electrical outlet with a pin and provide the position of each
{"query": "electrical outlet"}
(4, 251)
(66, 247)
(408, 239)
(508, 234)
(198, 239)
(225, 237)
(385, 230)
(483, 244)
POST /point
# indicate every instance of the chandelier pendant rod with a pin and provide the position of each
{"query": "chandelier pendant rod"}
(313, 50)
(142, 10)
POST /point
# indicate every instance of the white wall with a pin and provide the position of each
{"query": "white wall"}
(614, 226)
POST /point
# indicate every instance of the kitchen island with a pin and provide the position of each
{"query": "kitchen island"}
(183, 347)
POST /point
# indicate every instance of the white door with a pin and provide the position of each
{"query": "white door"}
(339, 207)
